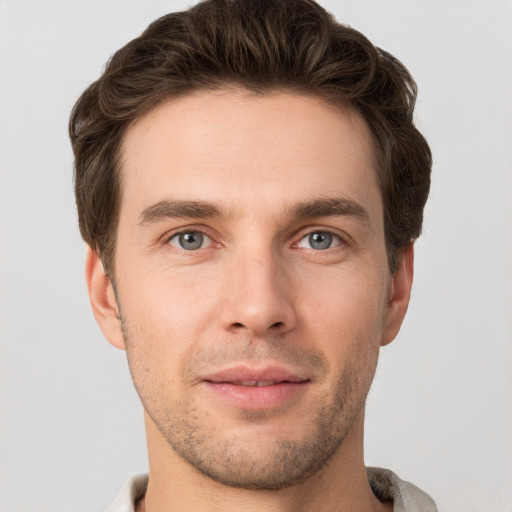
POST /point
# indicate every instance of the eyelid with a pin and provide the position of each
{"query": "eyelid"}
(335, 240)
(344, 238)
(206, 239)
(165, 239)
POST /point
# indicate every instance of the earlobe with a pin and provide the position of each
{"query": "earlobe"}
(400, 292)
(103, 300)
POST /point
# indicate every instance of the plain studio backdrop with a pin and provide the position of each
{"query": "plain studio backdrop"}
(439, 412)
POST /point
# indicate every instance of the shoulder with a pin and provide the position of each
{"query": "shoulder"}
(406, 497)
(132, 491)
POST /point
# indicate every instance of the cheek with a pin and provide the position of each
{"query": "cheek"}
(347, 312)
(168, 316)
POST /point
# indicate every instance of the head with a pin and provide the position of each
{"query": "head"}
(249, 177)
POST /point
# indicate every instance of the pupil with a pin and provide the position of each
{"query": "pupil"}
(320, 240)
(190, 241)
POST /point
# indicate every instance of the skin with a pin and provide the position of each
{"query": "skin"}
(258, 292)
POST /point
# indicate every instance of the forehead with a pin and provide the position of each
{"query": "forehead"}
(236, 147)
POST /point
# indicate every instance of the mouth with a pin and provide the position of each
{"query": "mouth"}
(256, 383)
(256, 389)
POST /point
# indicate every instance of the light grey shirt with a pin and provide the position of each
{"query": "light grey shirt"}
(405, 496)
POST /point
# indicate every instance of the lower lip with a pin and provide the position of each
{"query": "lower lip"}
(257, 397)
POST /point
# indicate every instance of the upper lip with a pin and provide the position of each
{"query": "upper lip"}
(246, 374)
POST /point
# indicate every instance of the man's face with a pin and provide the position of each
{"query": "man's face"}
(252, 281)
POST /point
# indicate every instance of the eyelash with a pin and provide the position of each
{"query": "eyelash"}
(342, 237)
(185, 233)
(190, 229)
(303, 234)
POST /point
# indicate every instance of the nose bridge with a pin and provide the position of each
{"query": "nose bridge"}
(260, 291)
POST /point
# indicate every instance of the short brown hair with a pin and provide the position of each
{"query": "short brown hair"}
(263, 46)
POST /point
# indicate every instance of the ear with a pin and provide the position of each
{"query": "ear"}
(103, 300)
(399, 294)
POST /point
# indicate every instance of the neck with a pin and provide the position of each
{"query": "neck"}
(340, 486)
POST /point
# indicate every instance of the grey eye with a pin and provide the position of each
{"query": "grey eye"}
(319, 240)
(190, 240)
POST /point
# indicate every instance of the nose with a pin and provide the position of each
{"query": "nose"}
(259, 295)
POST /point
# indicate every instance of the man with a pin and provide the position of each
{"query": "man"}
(250, 184)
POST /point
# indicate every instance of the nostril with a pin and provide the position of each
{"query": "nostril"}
(276, 325)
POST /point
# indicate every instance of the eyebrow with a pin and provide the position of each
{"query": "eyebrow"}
(177, 209)
(323, 207)
(331, 207)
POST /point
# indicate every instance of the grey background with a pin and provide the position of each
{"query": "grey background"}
(440, 411)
